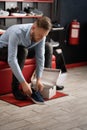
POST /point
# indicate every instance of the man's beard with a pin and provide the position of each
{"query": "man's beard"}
(33, 38)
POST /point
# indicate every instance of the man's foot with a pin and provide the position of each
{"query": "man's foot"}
(36, 97)
(63, 70)
(53, 43)
(18, 94)
(59, 87)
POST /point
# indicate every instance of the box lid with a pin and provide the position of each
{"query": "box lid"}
(49, 77)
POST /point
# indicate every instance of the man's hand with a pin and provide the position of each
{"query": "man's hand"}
(26, 88)
(39, 85)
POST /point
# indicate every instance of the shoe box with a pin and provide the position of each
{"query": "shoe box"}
(49, 80)
(48, 92)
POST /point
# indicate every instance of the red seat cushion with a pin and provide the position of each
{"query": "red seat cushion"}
(3, 65)
(27, 62)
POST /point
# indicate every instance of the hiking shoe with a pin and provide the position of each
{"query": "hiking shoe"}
(18, 94)
(36, 97)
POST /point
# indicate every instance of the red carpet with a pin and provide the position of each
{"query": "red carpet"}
(10, 99)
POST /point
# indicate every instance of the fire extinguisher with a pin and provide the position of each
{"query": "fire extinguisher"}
(74, 33)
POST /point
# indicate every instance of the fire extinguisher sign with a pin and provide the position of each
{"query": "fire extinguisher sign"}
(74, 33)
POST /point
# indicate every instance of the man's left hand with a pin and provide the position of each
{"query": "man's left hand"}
(39, 85)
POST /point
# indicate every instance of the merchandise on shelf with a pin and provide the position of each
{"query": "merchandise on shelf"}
(3, 13)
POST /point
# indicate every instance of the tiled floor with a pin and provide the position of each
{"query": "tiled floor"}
(66, 113)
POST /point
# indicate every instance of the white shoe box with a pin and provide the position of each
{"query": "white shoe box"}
(49, 79)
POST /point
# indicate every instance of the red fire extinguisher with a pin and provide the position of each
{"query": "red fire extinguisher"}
(74, 32)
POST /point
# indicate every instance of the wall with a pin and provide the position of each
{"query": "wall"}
(67, 11)
(63, 11)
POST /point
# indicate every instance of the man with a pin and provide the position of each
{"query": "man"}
(48, 59)
(14, 46)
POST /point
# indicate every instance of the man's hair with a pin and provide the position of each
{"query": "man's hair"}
(44, 22)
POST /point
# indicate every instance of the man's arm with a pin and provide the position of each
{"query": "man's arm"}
(39, 54)
(40, 59)
(12, 56)
(13, 62)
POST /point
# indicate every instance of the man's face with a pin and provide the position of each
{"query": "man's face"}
(38, 33)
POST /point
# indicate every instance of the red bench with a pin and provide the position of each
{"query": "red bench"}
(6, 73)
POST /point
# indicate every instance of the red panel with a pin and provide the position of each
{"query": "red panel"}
(5, 81)
(53, 64)
(27, 62)
(3, 65)
(76, 65)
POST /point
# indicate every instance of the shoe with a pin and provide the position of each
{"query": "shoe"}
(63, 70)
(53, 43)
(19, 14)
(3, 13)
(18, 94)
(59, 87)
(28, 9)
(36, 12)
(36, 97)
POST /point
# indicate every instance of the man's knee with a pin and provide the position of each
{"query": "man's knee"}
(4, 54)
(49, 48)
(22, 51)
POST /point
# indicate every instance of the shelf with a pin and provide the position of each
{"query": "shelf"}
(20, 17)
(5, 20)
(47, 1)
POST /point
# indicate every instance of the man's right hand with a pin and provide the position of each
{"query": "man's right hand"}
(26, 88)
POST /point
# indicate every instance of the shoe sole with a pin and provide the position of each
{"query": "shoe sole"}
(39, 103)
(59, 88)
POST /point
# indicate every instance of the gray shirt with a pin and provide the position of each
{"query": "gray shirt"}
(20, 35)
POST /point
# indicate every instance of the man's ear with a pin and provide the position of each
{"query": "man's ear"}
(32, 29)
(34, 26)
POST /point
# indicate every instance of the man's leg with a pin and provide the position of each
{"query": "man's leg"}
(48, 55)
(48, 60)
(31, 53)
(22, 54)
(60, 62)
(3, 54)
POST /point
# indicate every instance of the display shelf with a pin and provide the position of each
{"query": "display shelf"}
(47, 1)
(4, 4)
(20, 17)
